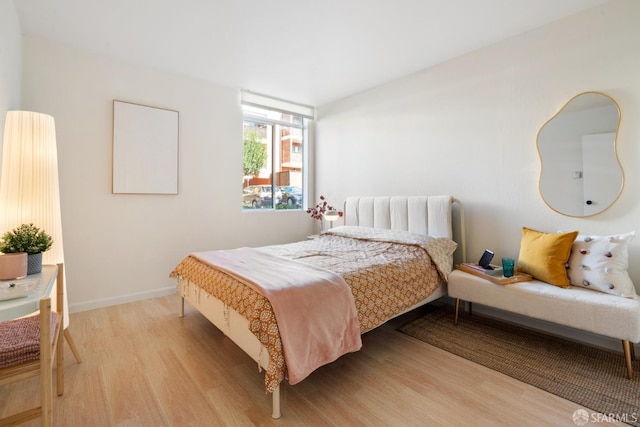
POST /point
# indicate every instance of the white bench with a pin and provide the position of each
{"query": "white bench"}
(597, 312)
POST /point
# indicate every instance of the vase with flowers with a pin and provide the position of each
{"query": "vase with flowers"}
(324, 212)
(27, 239)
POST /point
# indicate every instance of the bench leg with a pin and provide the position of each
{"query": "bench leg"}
(626, 346)
(455, 321)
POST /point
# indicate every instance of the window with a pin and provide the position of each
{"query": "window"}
(273, 162)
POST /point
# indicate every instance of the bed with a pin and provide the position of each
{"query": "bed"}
(392, 255)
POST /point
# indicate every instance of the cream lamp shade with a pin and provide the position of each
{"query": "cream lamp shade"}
(29, 188)
(331, 215)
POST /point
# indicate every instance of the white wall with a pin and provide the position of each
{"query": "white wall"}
(119, 247)
(10, 61)
(468, 128)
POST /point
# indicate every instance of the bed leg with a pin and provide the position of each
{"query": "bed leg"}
(181, 306)
(455, 320)
(275, 412)
(626, 345)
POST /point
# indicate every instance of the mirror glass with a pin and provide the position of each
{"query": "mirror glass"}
(580, 171)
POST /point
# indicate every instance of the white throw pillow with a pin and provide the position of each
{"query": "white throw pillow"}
(600, 263)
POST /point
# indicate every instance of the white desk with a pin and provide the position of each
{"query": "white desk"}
(18, 307)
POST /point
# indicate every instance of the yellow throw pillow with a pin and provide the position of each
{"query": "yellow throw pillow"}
(545, 255)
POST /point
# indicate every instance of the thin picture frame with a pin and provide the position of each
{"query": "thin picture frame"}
(145, 149)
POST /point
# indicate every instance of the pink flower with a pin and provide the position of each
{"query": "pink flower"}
(321, 207)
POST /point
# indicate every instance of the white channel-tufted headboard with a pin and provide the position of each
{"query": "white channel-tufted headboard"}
(419, 214)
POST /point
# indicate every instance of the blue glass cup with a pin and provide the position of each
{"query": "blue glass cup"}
(508, 265)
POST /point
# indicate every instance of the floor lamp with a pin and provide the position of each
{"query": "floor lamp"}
(29, 188)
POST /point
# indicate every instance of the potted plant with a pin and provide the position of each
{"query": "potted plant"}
(29, 239)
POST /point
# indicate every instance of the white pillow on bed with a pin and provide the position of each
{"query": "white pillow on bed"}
(600, 263)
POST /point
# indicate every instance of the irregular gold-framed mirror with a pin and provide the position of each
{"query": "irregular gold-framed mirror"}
(580, 173)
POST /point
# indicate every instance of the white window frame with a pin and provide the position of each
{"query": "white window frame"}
(307, 113)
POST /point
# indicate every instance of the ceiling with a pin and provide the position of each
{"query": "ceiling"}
(307, 51)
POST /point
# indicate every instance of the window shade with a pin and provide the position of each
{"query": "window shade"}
(262, 101)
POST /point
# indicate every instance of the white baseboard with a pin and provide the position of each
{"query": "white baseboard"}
(122, 299)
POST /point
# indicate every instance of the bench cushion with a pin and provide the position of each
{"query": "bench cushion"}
(584, 309)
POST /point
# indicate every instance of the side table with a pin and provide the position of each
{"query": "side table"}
(23, 306)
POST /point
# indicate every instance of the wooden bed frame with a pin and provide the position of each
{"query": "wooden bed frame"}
(420, 214)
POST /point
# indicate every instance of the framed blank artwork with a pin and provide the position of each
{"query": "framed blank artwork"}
(145, 149)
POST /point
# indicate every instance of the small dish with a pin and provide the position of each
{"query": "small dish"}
(17, 289)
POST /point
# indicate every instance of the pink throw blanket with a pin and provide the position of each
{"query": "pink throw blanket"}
(314, 307)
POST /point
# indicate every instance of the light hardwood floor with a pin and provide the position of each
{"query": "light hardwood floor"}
(145, 366)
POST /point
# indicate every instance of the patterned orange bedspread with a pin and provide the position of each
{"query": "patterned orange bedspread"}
(388, 272)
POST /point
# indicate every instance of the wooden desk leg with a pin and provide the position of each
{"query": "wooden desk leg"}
(60, 365)
(67, 334)
(72, 345)
(60, 331)
(46, 371)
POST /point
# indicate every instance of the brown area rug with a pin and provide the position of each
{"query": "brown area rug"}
(591, 377)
